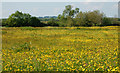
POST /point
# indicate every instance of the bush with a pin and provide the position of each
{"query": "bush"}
(106, 21)
(25, 47)
(52, 22)
(61, 24)
(35, 22)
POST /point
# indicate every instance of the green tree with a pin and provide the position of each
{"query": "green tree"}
(3, 22)
(67, 11)
(18, 19)
(80, 19)
(15, 19)
(27, 18)
(70, 22)
(35, 22)
(76, 10)
(94, 18)
(67, 17)
(52, 22)
(106, 21)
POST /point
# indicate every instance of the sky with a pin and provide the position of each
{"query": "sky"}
(54, 8)
(59, 0)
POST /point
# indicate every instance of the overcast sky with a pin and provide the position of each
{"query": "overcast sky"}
(55, 8)
(59, 0)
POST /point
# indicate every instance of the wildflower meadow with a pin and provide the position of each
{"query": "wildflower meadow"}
(60, 48)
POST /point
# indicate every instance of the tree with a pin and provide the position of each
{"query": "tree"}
(59, 16)
(89, 18)
(18, 19)
(80, 19)
(70, 22)
(35, 22)
(15, 19)
(67, 17)
(72, 17)
(3, 22)
(77, 10)
(27, 18)
(106, 21)
(94, 18)
(67, 11)
(52, 22)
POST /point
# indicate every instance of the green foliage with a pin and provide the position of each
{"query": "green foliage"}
(0, 21)
(71, 17)
(62, 24)
(28, 28)
(89, 18)
(15, 19)
(68, 15)
(52, 22)
(80, 19)
(3, 32)
(19, 19)
(106, 21)
(94, 17)
(25, 47)
(3, 22)
(35, 22)
(70, 21)
(115, 21)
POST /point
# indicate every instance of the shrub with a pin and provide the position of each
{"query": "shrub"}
(25, 47)
(52, 22)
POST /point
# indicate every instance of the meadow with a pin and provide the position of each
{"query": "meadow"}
(60, 48)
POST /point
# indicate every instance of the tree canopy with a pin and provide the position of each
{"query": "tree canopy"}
(75, 17)
(18, 19)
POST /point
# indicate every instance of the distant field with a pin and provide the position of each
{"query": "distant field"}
(60, 48)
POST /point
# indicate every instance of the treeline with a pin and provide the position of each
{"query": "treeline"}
(75, 17)
(69, 18)
(19, 19)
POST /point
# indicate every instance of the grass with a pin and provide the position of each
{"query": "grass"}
(60, 48)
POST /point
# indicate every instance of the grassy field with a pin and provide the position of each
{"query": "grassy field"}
(60, 48)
